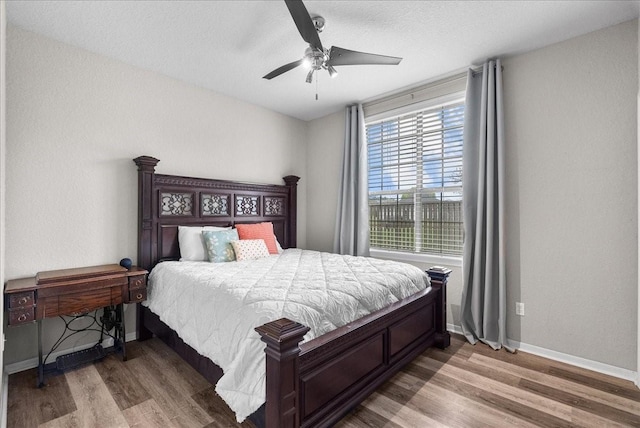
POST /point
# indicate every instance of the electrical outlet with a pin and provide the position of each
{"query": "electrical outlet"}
(520, 309)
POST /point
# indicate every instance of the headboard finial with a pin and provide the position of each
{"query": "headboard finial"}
(146, 163)
(291, 180)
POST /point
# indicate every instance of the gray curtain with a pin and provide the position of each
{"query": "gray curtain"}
(483, 308)
(352, 221)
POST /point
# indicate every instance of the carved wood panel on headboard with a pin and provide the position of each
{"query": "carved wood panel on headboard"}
(168, 201)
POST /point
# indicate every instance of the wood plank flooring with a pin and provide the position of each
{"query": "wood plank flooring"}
(462, 386)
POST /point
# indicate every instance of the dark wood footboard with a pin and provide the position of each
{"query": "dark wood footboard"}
(315, 384)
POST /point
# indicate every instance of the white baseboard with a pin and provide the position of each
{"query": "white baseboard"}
(575, 361)
(454, 328)
(566, 358)
(33, 362)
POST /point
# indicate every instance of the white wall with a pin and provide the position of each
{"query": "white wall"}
(75, 121)
(324, 169)
(570, 114)
(3, 144)
(572, 196)
(638, 165)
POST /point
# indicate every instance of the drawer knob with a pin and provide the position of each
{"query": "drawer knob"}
(138, 282)
(139, 296)
(23, 300)
(22, 317)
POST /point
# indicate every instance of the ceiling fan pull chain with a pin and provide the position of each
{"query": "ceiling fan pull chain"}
(317, 78)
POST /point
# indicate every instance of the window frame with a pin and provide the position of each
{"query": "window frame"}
(415, 257)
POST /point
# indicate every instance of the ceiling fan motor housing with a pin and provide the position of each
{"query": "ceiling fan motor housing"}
(318, 22)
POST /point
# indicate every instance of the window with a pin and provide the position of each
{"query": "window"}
(415, 181)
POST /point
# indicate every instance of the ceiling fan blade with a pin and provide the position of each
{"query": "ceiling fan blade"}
(278, 71)
(341, 56)
(304, 23)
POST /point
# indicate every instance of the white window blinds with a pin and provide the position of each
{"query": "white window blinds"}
(415, 180)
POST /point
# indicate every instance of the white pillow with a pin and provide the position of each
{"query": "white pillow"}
(192, 247)
(250, 249)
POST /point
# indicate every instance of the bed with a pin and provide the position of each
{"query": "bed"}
(308, 384)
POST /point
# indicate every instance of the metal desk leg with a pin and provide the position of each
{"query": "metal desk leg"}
(40, 363)
(120, 317)
(113, 319)
(105, 317)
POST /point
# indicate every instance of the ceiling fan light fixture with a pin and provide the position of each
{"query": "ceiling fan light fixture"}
(332, 71)
(307, 60)
(310, 76)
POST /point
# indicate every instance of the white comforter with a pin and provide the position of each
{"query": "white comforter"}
(214, 307)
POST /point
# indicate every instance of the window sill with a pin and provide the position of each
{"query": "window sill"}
(430, 259)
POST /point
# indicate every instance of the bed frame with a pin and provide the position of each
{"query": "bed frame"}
(313, 384)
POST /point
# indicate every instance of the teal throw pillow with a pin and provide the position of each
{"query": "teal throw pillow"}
(218, 243)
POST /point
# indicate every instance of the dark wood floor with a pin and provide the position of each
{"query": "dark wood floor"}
(463, 386)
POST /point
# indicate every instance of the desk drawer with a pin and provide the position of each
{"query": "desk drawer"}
(136, 296)
(137, 291)
(21, 315)
(137, 282)
(21, 300)
(71, 304)
(77, 303)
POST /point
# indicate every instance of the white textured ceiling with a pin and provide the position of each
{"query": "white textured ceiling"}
(227, 46)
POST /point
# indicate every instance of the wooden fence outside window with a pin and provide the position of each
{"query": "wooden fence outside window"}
(393, 227)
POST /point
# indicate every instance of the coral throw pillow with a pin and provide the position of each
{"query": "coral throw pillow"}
(259, 231)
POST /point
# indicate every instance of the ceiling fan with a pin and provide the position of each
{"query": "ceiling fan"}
(316, 57)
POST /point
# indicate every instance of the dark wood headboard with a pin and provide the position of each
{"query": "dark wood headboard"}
(168, 201)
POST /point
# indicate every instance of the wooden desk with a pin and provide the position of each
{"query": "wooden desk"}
(75, 292)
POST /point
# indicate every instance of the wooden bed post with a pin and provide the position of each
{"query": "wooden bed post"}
(439, 277)
(282, 338)
(146, 253)
(292, 182)
(146, 168)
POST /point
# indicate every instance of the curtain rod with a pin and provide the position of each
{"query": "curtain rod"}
(478, 69)
(410, 94)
